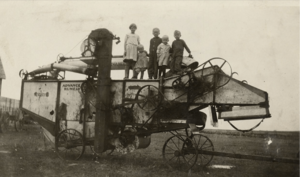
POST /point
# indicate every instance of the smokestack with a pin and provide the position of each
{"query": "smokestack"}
(103, 54)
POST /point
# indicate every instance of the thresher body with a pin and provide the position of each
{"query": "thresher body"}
(60, 104)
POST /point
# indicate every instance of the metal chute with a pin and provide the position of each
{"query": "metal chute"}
(211, 86)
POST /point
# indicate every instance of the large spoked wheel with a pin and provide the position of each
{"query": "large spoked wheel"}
(180, 151)
(69, 144)
(150, 97)
(203, 143)
(221, 70)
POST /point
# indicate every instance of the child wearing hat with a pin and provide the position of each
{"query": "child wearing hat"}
(142, 62)
(154, 42)
(163, 54)
(177, 53)
(132, 40)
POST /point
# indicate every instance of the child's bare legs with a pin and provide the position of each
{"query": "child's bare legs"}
(135, 73)
(127, 66)
(142, 75)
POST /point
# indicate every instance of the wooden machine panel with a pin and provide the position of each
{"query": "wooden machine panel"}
(40, 98)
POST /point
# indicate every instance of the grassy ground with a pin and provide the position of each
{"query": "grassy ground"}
(27, 154)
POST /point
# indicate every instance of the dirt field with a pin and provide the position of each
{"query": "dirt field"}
(26, 154)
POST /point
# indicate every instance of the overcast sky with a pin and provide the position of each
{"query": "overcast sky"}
(260, 40)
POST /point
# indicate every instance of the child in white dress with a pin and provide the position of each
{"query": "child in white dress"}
(142, 62)
(163, 55)
(132, 40)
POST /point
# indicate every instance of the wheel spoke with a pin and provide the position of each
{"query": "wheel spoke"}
(152, 103)
(210, 64)
(223, 64)
(144, 104)
(175, 144)
(170, 148)
(192, 158)
(172, 158)
(199, 141)
(203, 143)
(142, 96)
(206, 147)
(169, 153)
(204, 156)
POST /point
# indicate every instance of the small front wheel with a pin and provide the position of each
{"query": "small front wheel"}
(181, 151)
(69, 144)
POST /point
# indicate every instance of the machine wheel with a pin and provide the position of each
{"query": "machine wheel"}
(180, 150)
(69, 144)
(23, 73)
(221, 67)
(150, 96)
(203, 143)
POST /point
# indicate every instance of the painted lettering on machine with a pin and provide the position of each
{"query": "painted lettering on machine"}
(71, 87)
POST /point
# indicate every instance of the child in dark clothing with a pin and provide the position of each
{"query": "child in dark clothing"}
(154, 42)
(177, 53)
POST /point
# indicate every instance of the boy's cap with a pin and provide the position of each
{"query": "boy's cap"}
(165, 38)
(133, 25)
(155, 29)
(140, 47)
(177, 32)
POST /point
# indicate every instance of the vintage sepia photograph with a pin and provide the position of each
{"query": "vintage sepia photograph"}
(149, 88)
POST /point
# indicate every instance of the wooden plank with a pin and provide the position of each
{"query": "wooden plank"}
(250, 157)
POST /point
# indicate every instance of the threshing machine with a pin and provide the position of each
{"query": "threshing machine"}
(121, 115)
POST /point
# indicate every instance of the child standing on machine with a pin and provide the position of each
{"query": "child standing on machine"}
(163, 56)
(142, 62)
(132, 40)
(177, 53)
(154, 42)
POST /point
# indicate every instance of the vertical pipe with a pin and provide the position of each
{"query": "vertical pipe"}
(103, 53)
(0, 86)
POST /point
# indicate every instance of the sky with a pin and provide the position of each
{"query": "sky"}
(260, 40)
